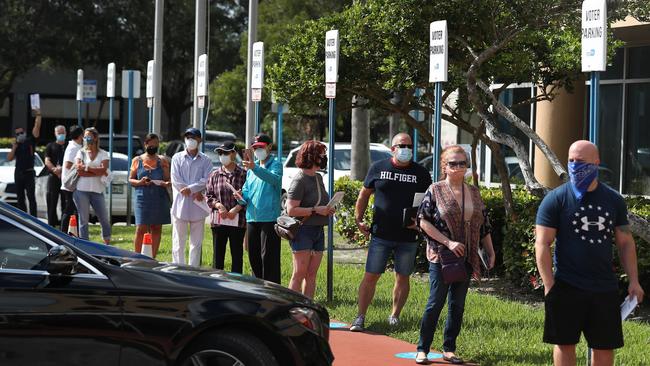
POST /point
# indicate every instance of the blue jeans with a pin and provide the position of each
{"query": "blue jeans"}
(83, 200)
(455, 293)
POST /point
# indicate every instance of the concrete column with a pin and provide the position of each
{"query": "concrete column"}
(559, 123)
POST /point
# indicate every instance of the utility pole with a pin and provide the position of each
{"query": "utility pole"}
(199, 49)
(158, 64)
(252, 38)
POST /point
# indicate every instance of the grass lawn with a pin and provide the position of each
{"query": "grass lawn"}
(495, 331)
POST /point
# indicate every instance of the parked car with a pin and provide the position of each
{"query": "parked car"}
(7, 185)
(342, 157)
(219, 136)
(121, 143)
(68, 301)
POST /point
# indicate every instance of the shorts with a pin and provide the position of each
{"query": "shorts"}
(570, 311)
(308, 237)
(380, 250)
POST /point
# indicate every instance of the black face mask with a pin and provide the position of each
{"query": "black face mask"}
(323, 163)
(151, 150)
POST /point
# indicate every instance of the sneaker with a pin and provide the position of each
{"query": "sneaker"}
(393, 321)
(357, 324)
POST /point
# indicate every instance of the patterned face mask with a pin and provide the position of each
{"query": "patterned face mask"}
(582, 175)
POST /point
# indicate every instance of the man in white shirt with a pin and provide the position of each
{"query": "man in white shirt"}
(189, 173)
(74, 145)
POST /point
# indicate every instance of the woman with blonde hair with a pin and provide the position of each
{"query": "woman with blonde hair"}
(454, 221)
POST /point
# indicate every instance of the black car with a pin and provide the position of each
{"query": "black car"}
(69, 301)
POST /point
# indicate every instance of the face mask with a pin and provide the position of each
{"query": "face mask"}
(60, 137)
(225, 159)
(582, 175)
(88, 140)
(151, 150)
(323, 163)
(21, 137)
(403, 155)
(191, 144)
(261, 154)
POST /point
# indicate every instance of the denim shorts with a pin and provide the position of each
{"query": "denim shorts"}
(309, 237)
(380, 250)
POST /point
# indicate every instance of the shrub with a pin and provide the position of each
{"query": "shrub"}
(345, 223)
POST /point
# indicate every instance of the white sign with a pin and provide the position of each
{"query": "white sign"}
(150, 77)
(136, 83)
(80, 85)
(256, 95)
(110, 81)
(258, 66)
(202, 82)
(594, 35)
(330, 90)
(438, 51)
(201, 101)
(332, 56)
(90, 91)
(35, 101)
(149, 102)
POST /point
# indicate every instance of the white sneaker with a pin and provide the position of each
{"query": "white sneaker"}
(393, 321)
(358, 324)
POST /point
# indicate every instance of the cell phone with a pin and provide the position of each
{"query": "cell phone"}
(248, 154)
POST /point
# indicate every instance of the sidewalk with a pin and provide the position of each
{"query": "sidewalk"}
(354, 348)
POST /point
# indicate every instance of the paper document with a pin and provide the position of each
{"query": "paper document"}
(226, 221)
(158, 182)
(35, 100)
(230, 187)
(203, 205)
(336, 199)
(417, 199)
(628, 306)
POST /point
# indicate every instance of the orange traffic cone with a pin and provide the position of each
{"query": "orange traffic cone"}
(146, 245)
(73, 228)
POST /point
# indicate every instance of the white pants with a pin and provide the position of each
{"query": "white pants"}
(179, 236)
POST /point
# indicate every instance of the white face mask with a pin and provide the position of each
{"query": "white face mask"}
(261, 154)
(403, 155)
(191, 144)
(225, 159)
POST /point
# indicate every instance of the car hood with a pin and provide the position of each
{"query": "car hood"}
(201, 281)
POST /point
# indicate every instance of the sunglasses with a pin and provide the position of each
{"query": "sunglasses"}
(457, 164)
(404, 146)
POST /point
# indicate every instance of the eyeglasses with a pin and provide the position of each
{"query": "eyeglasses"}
(457, 164)
(404, 146)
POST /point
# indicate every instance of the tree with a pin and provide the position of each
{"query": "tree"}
(384, 50)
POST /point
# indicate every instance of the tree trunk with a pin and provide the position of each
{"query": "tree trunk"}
(500, 163)
(360, 140)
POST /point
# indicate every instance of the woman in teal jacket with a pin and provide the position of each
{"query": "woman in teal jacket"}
(262, 192)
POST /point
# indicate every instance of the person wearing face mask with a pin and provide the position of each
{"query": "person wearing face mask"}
(585, 218)
(261, 193)
(24, 176)
(307, 198)
(54, 164)
(92, 165)
(228, 218)
(150, 178)
(454, 221)
(189, 173)
(394, 182)
(75, 144)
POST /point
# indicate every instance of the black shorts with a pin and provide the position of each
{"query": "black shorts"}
(570, 311)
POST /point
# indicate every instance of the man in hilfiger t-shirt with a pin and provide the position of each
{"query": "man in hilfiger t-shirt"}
(394, 182)
(585, 218)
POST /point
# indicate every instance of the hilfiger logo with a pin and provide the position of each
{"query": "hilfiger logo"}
(398, 177)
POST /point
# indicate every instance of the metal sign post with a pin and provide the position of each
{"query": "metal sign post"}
(418, 116)
(202, 92)
(257, 82)
(110, 93)
(80, 94)
(438, 62)
(331, 78)
(130, 90)
(151, 69)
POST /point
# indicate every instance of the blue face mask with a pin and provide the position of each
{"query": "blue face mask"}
(60, 137)
(582, 175)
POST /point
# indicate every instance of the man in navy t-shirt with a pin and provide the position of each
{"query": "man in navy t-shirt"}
(394, 183)
(585, 218)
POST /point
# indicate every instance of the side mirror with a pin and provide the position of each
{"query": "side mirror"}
(61, 260)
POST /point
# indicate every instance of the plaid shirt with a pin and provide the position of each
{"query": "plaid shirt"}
(218, 192)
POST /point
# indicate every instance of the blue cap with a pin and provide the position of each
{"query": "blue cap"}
(192, 132)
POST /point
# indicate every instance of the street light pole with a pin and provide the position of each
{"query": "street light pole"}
(252, 37)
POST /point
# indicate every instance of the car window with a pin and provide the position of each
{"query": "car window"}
(291, 161)
(119, 164)
(19, 249)
(376, 155)
(120, 144)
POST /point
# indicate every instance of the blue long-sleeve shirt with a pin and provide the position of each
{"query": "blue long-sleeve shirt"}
(262, 191)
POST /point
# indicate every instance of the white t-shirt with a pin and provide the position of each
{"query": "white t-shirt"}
(92, 184)
(69, 155)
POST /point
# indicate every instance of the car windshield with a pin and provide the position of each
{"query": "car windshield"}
(120, 144)
(4, 162)
(342, 158)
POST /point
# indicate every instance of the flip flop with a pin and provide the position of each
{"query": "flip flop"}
(454, 360)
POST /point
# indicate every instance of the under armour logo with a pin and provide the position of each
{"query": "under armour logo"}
(587, 223)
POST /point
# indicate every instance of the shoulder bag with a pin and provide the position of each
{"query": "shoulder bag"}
(286, 226)
(454, 268)
(71, 179)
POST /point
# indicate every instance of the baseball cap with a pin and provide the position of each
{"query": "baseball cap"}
(261, 140)
(192, 132)
(226, 146)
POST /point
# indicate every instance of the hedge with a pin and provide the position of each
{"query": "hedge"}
(514, 241)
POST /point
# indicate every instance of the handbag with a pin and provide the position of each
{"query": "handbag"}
(71, 179)
(286, 226)
(454, 268)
